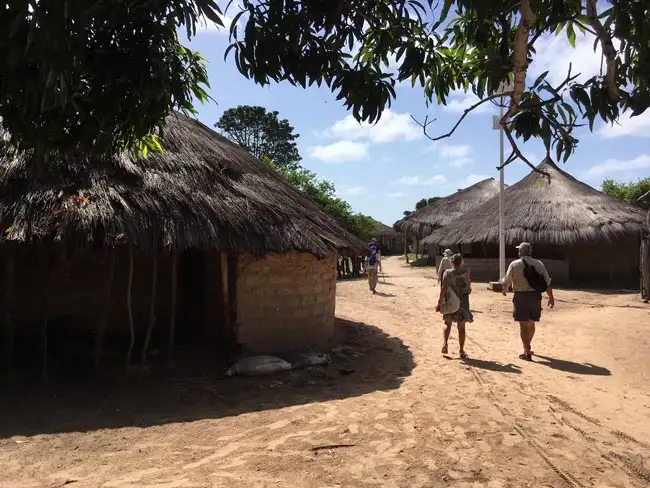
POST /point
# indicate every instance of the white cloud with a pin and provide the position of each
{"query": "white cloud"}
(460, 162)
(554, 53)
(391, 127)
(459, 101)
(209, 27)
(449, 151)
(610, 166)
(350, 191)
(638, 126)
(419, 181)
(341, 152)
(474, 178)
(397, 194)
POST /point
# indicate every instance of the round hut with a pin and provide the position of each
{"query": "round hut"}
(580, 233)
(425, 220)
(201, 242)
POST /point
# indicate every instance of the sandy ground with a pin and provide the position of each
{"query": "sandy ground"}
(390, 411)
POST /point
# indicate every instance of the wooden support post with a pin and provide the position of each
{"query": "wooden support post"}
(152, 312)
(102, 321)
(172, 315)
(10, 268)
(46, 279)
(406, 245)
(129, 310)
(223, 266)
(233, 266)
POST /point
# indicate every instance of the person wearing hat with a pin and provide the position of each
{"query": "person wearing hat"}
(373, 265)
(445, 264)
(528, 279)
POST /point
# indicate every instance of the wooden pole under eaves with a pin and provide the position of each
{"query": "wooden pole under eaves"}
(129, 310)
(225, 292)
(102, 321)
(152, 312)
(46, 279)
(172, 316)
(10, 268)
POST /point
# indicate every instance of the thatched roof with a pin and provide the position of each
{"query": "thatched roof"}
(447, 209)
(202, 191)
(558, 211)
(381, 229)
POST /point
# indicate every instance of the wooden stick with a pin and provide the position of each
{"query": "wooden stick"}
(172, 317)
(10, 268)
(129, 309)
(225, 290)
(103, 313)
(152, 312)
(46, 279)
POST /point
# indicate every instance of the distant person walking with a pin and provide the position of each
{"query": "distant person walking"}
(453, 303)
(528, 279)
(373, 266)
(445, 263)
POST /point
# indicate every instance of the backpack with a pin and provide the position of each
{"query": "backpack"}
(535, 280)
(372, 259)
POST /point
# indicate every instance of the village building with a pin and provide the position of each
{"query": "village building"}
(202, 241)
(440, 213)
(581, 234)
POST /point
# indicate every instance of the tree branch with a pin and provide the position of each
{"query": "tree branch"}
(516, 154)
(609, 51)
(466, 112)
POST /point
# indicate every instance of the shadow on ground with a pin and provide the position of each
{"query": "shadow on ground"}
(367, 360)
(571, 367)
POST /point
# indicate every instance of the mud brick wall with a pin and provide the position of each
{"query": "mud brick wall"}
(285, 302)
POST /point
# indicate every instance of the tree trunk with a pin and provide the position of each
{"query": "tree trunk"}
(129, 309)
(172, 318)
(152, 312)
(105, 307)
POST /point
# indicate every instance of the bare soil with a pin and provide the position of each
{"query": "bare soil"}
(389, 411)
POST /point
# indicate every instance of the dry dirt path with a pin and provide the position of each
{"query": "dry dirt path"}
(405, 417)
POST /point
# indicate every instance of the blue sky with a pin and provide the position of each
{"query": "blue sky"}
(383, 170)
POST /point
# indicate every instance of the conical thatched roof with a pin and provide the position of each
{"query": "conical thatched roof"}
(202, 191)
(558, 211)
(447, 209)
(381, 229)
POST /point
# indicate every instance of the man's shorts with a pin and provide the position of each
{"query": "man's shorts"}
(527, 306)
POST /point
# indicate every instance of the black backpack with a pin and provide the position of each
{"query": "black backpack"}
(535, 280)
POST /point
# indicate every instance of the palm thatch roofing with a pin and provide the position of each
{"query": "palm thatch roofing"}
(201, 192)
(556, 211)
(441, 212)
(381, 229)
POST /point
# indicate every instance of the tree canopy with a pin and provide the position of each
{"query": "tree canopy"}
(261, 133)
(630, 192)
(101, 75)
(420, 204)
(323, 193)
(472, 45)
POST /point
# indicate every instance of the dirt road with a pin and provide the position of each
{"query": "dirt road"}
(390, 411)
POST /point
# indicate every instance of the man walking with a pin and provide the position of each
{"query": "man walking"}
(445, 264)
(528, 279)
(373, 266)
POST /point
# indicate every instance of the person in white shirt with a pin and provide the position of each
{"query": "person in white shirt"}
(527, 299)
(445, 264)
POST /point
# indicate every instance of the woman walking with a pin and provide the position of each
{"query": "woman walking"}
(453, 302)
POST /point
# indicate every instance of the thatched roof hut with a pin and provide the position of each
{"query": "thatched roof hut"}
(562, 217)
(390, 241)
(447, 209)
(202, 235)
(202, 191)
